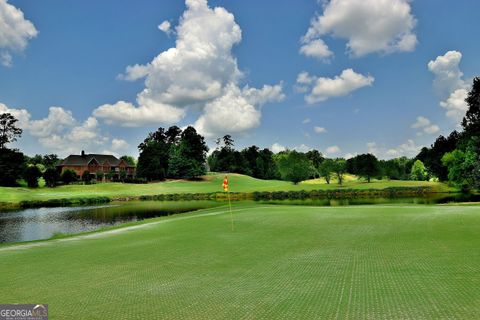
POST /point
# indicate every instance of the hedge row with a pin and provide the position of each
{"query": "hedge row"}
(341, 194)
(63, 202)
(290, 195)
(217, 196)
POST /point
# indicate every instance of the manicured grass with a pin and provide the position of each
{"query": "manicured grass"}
(281, 262)
(212, 183)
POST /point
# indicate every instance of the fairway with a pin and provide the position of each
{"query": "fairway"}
(281, 262)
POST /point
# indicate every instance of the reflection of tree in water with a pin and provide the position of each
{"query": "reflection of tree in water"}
(138, 211)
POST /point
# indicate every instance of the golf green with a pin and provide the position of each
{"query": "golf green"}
(280, 262)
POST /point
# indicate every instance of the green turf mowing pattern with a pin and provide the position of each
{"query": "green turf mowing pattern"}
(281, 262)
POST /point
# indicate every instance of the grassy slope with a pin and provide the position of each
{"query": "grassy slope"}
(286, 262)
(238, 183)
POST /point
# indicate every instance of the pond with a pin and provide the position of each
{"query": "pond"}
(44, 223)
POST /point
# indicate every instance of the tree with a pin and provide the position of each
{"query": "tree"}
(31, 175)
(123, 175)
(12, 165)
(340, 168)
(8, 129)
(68, 176)
(43, 162)
(110, 175)
(51, 177)
(100, 175)
(316, 158)
(193, 146)
(266, 166)
(86, 177)
(471, 121)
(182, 167)
(326, 169)
(294, 166)
(226, 159)
(419, 172)
(365, 166)
(228, 141)
(464, 165)
(173, 135)
(154, 153)
(251, 155)
(128, 160)
(432, 157)
(188, 156)
(50, 160)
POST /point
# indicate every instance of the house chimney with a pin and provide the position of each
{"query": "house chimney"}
(83, 153)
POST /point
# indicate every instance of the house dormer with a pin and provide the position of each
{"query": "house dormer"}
(107, 167)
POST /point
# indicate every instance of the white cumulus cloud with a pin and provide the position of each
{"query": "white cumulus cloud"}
(22, 115)
(450, 83)
(57, 120)
(409, 149)
(276, 148)
(316, 49)
(59, 132)
(448, 76)
(383, 26)
(302, 148)
(199, 73)
(349, 155)
(332, 150)
(15, 32)
(322, 89)
(319, 129)
(128, 115)
(455, 104)
(165, 26)
(425, 125)
(119, 144)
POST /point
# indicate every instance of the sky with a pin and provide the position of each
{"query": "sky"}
(344, 77)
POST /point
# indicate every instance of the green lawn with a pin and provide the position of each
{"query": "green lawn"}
(213, 183)
(281, 262)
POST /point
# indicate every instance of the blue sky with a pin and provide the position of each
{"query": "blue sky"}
(361, 83)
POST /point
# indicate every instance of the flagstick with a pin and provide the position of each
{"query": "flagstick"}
(230, 205)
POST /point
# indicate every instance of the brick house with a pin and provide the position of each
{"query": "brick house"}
(95, 163)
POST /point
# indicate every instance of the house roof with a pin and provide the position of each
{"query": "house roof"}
(84, 160)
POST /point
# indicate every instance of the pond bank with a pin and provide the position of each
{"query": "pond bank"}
(233, 196)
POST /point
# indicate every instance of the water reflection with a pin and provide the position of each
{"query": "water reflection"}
(43, 223)
(429, 199)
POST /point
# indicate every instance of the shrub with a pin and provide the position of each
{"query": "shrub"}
(51, 177)
(68, 176)
(31, 175)
(86, 177)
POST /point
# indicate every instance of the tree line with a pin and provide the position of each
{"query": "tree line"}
(295, 166)
(456, 158)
